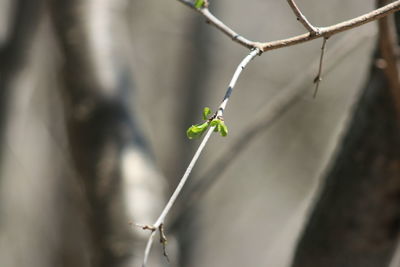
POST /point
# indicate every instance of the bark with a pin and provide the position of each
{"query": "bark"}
(356, 219)
(103, 133)
(14, 50)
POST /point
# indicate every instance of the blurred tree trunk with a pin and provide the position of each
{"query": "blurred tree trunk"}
(20, 27)
(356, 220)
(111, 156)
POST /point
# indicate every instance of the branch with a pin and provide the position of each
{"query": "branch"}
(300, 17)
(323, 31)
(196, 156)
(211, 19)
(266, 118)
(148, 248)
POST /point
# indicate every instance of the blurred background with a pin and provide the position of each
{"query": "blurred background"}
(95, 100)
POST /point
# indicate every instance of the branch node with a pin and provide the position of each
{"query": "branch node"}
(257, 46)
(317, 79)
(317, 31)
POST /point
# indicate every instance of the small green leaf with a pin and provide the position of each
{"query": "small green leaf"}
(195, 131)
(199, 3)
(215, 122)
(223, 129)
(206, 113)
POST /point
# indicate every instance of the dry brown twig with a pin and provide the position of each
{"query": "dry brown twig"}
(318, 78)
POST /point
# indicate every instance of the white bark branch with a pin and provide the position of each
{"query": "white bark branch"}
(196, 156)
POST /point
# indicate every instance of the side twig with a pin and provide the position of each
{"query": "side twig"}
(211, 19)
(171, 201)
(318, 78)
(303, 20)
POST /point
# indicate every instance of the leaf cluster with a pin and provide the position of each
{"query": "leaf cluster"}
(196, 131)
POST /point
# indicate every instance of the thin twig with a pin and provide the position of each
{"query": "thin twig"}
(163, 241)
(318, 78)
(211, 19)
(196, 156)
(265, 118)
(322, 31)
(303, 20)
(148, 248)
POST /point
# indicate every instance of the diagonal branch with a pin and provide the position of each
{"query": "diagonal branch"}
(303, 20)
(196, 156)
(211, 19)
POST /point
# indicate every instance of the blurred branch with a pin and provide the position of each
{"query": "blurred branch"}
(303, 20)
(265, 118)
(15, 49)
(395, 261)
(109, 152)
(389, 50)
(221, 109)
(322, 31)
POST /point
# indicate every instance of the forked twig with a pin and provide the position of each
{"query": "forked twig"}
(322, 31)
(265, 118)
(318, 78)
